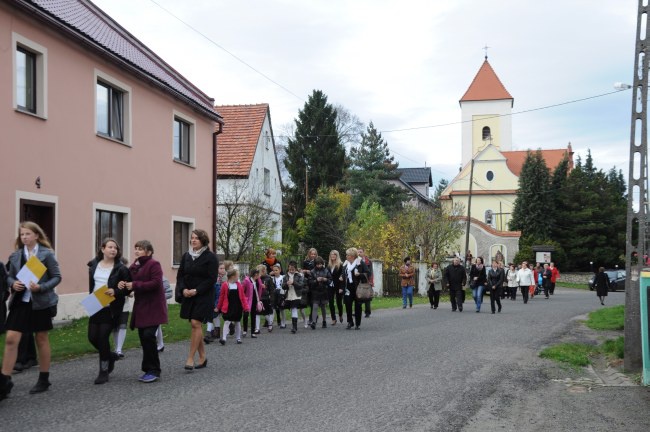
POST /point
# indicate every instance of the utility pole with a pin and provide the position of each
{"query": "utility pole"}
(635, 247)
(469, 211)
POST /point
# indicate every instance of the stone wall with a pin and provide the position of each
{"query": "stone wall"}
(578, 277)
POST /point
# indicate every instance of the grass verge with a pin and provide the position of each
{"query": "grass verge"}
(610, 318)
(574, 354)
(573, 285)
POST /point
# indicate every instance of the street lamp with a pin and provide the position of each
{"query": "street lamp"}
(591, 266)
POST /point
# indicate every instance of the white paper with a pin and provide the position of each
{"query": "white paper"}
(92, 304)
(26, 276)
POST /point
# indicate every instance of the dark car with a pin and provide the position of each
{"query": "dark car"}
(616, 280)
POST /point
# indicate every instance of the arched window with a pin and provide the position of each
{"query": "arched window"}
(486, 133)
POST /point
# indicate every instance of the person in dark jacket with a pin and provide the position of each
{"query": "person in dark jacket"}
(601, 282)
(149, 306)
(455, 279)
(547, 277)
(478, 280)
(293, 284)
(195, 279)
(353, 272)
(31, 307)
(335, 267)
(4, 295)
(319, 280)
(106, 270)
(495, 278)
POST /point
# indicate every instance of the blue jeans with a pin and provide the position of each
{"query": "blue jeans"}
(477, 293)
(407, 292)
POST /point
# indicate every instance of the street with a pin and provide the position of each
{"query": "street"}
(407, 370)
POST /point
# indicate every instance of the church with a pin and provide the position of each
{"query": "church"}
(490, 168)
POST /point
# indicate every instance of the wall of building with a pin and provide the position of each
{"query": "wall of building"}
(80, 171)
(471, 130)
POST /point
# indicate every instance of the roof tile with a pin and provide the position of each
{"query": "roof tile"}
(237, 143)
(486, 86)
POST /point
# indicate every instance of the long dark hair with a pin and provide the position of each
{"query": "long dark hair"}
(100, 254)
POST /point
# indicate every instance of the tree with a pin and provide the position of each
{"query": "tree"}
(242, 221)
(322, 227)
(370, 219)
(533, 208)
(442, 185)
(371, 166)
(315, 156)
(348, 126)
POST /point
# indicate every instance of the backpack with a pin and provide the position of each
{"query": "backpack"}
(168, 288)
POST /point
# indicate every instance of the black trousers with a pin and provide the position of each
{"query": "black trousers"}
(335, 295)
(524, 292)
(351, 302)
(368, 308)
(434, 296)
(99, 336)
(252, 314)
(456, 296)
(495, 297)
(150, 359)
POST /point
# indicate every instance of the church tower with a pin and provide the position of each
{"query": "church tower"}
(486, 109)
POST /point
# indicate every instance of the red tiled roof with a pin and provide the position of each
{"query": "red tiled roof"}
(515, 159)
(486, 86)
(237, 143)
(88, 24)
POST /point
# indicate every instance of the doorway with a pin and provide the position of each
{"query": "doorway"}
(42, 213)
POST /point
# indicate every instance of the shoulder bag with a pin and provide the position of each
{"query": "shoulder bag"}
(364, 290)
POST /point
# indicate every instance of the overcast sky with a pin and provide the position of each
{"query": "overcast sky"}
(405, 64)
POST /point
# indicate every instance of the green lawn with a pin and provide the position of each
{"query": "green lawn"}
(609, 318)
(574, 354)
(573, 285)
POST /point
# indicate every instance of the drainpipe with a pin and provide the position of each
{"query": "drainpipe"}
(214, 186)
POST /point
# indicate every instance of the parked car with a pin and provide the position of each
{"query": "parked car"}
(616, 280)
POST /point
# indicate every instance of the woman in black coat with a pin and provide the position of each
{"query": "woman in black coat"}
(601, 282)
(4, 295)
(106, 269)
(197, 274)
(478, 281)
(353, 272)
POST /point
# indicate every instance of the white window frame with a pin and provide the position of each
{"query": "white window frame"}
(267, 182)
(181, 219)
(177, 115)
(104, 78)
(40, 53)
(126, 222)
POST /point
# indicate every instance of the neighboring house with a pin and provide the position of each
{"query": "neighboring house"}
(100, 137)
(247, 167)
(417, 181)
(486, 109)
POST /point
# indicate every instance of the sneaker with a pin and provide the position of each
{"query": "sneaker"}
(253, 336)
(243, 334)
(148, 378)
(313, 326)
(239, 341)
(120, 355)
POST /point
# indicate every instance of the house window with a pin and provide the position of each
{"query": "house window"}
(267, 182)
(181, 141)
(489, 175)
(26, 80)
(486, 133)
(182, 231)
(30, 76)
(267, 140)
(110, 111)
(109, 224)
(489, 217)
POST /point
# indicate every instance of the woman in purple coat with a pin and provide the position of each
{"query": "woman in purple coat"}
(149, 307)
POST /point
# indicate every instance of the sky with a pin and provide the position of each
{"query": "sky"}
(404, 64)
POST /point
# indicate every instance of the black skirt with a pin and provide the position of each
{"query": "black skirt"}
(22, 318)
(235, 308)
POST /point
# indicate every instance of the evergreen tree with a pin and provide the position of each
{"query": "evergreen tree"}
(442, 184)
(371, 166)
(315, 152)
(533, 208)
(322, 226)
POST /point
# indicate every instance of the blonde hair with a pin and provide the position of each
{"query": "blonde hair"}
(36, 229)
(227, 264)
(261, 268)
(337, 261)
(310, 251)
(232, 272)
(352, 251)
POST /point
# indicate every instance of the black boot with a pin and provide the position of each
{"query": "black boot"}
(294, 325)
(5, 386)
(111, 362)
(42, 384)
(102, 378)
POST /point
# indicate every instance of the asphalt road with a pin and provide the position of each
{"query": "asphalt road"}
(405, 370)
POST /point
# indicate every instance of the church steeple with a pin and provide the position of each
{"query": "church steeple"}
(486, 113)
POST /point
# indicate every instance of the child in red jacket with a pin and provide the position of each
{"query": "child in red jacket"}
(232, 304)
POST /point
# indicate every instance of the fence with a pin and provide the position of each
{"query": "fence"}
(391, 282)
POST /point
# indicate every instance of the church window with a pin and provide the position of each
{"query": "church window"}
(489, 175)
(486, 133)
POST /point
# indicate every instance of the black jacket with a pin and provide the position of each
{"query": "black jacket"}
(4, 295)
(455, 276)
(319, 289)
(474, 272)
(351, 287)
(119, 273)
(200, 274)
(495, 278)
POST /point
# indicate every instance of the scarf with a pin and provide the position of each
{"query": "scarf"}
(479, 266)
(350, 269)
(196, 254)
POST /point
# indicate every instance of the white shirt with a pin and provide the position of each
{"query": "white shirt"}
(27, 294)
(525, 277)
(101, 276)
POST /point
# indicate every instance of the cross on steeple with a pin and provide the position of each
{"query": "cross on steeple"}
(486, 50)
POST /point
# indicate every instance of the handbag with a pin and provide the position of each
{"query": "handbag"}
(259, 306)
(364, 290)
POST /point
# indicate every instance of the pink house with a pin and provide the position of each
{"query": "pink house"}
(100, 137)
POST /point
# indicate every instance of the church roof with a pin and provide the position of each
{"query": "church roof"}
(515, 159)
(416, 175)
(486, 86)
(237, 143)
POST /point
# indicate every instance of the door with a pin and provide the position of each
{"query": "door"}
(42, 213)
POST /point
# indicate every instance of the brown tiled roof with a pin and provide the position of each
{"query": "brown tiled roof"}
(237, 143)
(91, 26)
(515, 159)
(486, 86)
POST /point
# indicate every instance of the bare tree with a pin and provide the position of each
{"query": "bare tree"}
(348, 126)
(242, 220)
